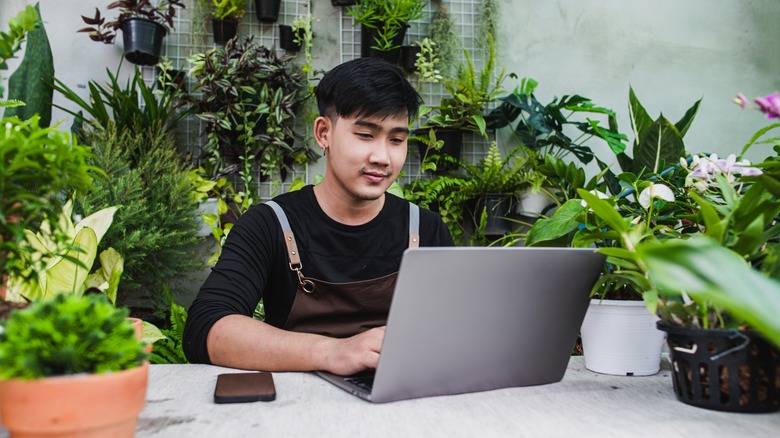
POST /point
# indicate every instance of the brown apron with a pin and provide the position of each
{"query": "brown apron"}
(339, 309)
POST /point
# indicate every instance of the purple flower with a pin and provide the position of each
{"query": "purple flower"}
(770, 105)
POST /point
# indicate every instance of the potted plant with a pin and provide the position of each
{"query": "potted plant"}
(143, 26)
(469, 96)
(249, 100)
(492, 187)
(267, 10)
(383, 25)
(225, 15)
(710, 288)
(40, 163)
(648, 204)
(71, 365)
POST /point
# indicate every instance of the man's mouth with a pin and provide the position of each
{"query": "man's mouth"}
(375, 176)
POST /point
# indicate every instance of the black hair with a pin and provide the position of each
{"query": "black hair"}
(366, 87)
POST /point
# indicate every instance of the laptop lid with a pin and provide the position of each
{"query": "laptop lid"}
(466, 319)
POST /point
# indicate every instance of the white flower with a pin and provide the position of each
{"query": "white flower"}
(597, 193)
(655, 191)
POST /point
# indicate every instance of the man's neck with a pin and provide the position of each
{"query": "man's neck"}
(344, 209)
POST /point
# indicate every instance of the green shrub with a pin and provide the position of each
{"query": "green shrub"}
(68, 335)
(154, 228)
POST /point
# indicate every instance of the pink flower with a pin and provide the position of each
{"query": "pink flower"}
(741, 100)
(770, 105)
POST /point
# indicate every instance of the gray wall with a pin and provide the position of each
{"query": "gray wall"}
(672, 52)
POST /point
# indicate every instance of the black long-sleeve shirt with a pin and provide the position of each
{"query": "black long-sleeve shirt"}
(254, 263)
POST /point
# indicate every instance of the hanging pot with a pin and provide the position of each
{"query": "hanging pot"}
(452, 145)
(287, 39)
(84, 405)
(724, 370)
(224, 30)
(142, 40)
(409, 58)
(267, 10)
(620, 338)
(498, 208)
(368, 38)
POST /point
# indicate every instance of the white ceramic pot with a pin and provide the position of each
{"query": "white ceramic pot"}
(209, 206)
(620, 338)
(534, 203)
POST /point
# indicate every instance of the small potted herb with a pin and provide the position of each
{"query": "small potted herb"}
(143, 27)
(71, 364)
(383, 25)
(225, 17)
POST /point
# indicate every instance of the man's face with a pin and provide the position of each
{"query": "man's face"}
(364, 155)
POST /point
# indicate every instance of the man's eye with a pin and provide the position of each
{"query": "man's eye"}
(398, 140)
(364, 135)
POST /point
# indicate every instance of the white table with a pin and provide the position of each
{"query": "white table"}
(180, 403)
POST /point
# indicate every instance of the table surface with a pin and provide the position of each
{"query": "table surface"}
(179, 403)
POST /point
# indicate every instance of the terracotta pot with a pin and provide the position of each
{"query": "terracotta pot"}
(138, 325)
(88, 405)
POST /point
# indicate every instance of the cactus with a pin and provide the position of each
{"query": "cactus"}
(30, 82)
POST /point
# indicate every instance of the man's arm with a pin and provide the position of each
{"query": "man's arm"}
(239, 341)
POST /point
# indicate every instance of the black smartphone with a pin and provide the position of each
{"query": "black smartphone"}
(244, 387)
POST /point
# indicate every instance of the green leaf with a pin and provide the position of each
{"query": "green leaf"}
(640, 120)
(564, 221)
(605, 211)
(703, 269)
(661, 145)
(685, 122)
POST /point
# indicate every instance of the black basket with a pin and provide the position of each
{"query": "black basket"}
(724, 370)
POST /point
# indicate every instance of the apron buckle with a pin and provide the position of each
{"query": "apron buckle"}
(306, 284)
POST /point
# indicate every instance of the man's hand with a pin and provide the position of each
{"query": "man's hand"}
(357, 353)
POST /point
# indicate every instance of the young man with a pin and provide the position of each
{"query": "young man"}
(323, 259)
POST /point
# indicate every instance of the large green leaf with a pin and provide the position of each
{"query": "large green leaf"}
(564, 221)
(661, 145)
(702, 268)
(107, 277)
(685, 122)
(605, 211)
(68, 274)
(640, 120)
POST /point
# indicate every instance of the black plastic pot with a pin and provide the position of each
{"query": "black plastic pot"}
(267, 10)
(142, 39)
(224, 30)
(287, 39)
(343, 2)
(453, 144)
(499, 208)
(724, 370)
(409, 58)
(368, 39)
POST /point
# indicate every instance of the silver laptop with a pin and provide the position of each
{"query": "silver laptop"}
(467, 319)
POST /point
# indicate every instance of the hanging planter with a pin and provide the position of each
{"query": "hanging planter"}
(267, 10)
(724, 370)
(287, 39)
(369, 37)
(143, 40)
(409, 58)
(498, 208)
(224, 30)
(452, 140)
(620, 338)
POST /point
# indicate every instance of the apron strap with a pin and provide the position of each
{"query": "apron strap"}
(414, 225)
(292, 247)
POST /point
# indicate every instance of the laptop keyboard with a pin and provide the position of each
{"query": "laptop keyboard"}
(365, 383)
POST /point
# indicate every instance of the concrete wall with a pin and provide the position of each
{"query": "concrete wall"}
(672, 52)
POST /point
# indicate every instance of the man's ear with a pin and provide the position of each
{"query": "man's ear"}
(322, 130)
